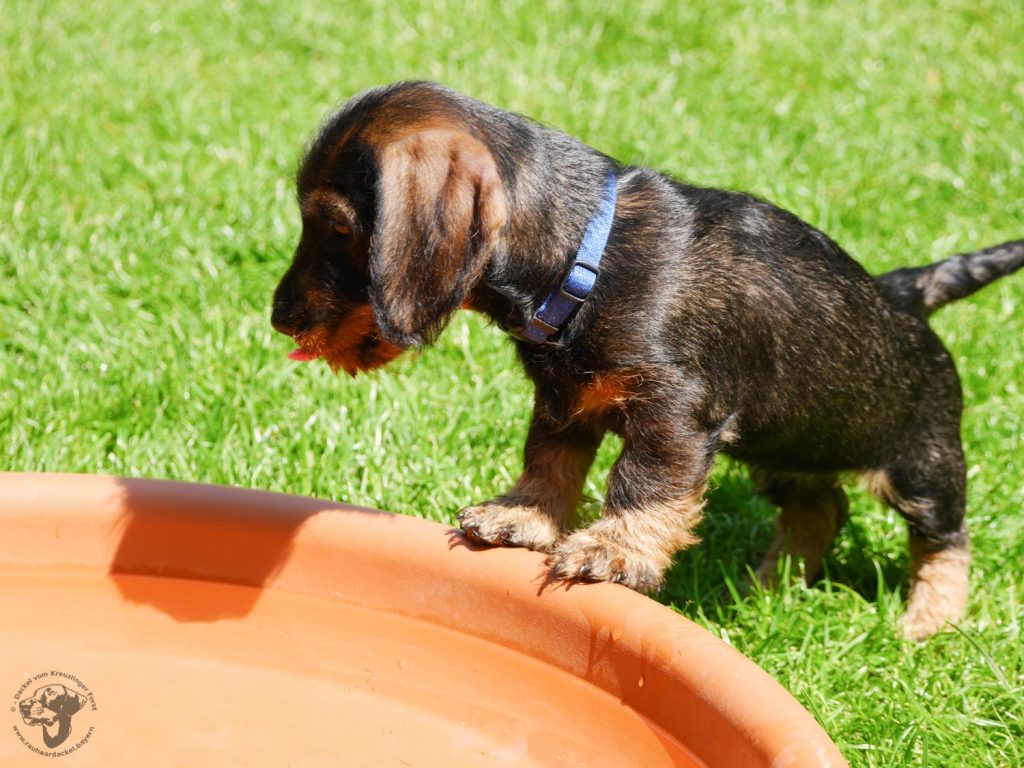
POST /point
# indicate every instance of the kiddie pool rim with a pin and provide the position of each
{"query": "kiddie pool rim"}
(720, 705)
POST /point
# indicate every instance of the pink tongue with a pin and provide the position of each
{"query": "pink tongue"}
(302, 356)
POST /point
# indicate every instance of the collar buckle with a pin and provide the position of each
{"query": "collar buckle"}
(573, 283)
(582, 275)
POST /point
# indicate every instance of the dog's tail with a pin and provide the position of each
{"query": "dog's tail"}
(922, 290)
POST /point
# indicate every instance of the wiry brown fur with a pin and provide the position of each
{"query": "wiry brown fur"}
(345, 347)
(535, 512)
(718, 323)
(812, 510)
(938, 589)
(605, 392)
(630, 546)
(440, 208)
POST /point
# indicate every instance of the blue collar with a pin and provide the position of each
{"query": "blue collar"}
(582, 276)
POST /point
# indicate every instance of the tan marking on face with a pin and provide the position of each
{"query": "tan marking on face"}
(353, 346)
(314, 340)
(938, 590)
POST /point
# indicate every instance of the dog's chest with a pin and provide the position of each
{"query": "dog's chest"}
(597, 399)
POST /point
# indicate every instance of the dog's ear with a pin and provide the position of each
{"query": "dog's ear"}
(73, 701)
(440, 211)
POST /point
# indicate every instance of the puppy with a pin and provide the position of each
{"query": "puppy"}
(687, 320)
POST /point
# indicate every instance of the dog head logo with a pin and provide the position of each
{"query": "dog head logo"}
(52, 708)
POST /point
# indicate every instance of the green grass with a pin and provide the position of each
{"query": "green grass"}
(146, 212)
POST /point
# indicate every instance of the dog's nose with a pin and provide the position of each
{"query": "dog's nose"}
(288, 313)
(281, 319)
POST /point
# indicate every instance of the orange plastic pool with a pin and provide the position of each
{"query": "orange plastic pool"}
(146, 622)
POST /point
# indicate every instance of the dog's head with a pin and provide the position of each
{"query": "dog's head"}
(51, 703)
(402, 208)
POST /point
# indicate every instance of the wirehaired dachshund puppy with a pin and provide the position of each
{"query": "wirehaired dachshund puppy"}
(714, 322)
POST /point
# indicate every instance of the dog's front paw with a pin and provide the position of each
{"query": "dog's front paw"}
(499, 524)
(588, 555)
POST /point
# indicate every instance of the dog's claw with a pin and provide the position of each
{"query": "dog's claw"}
(496, 524)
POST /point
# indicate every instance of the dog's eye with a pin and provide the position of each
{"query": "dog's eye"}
(342, 230)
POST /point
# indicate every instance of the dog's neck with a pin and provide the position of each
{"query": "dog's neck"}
(551, 206)
(565, 299)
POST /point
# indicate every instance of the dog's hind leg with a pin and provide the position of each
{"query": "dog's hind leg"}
(925, 480)
(812, 510)
(927, 488)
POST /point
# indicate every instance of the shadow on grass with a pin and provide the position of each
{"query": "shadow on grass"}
(737, 529)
